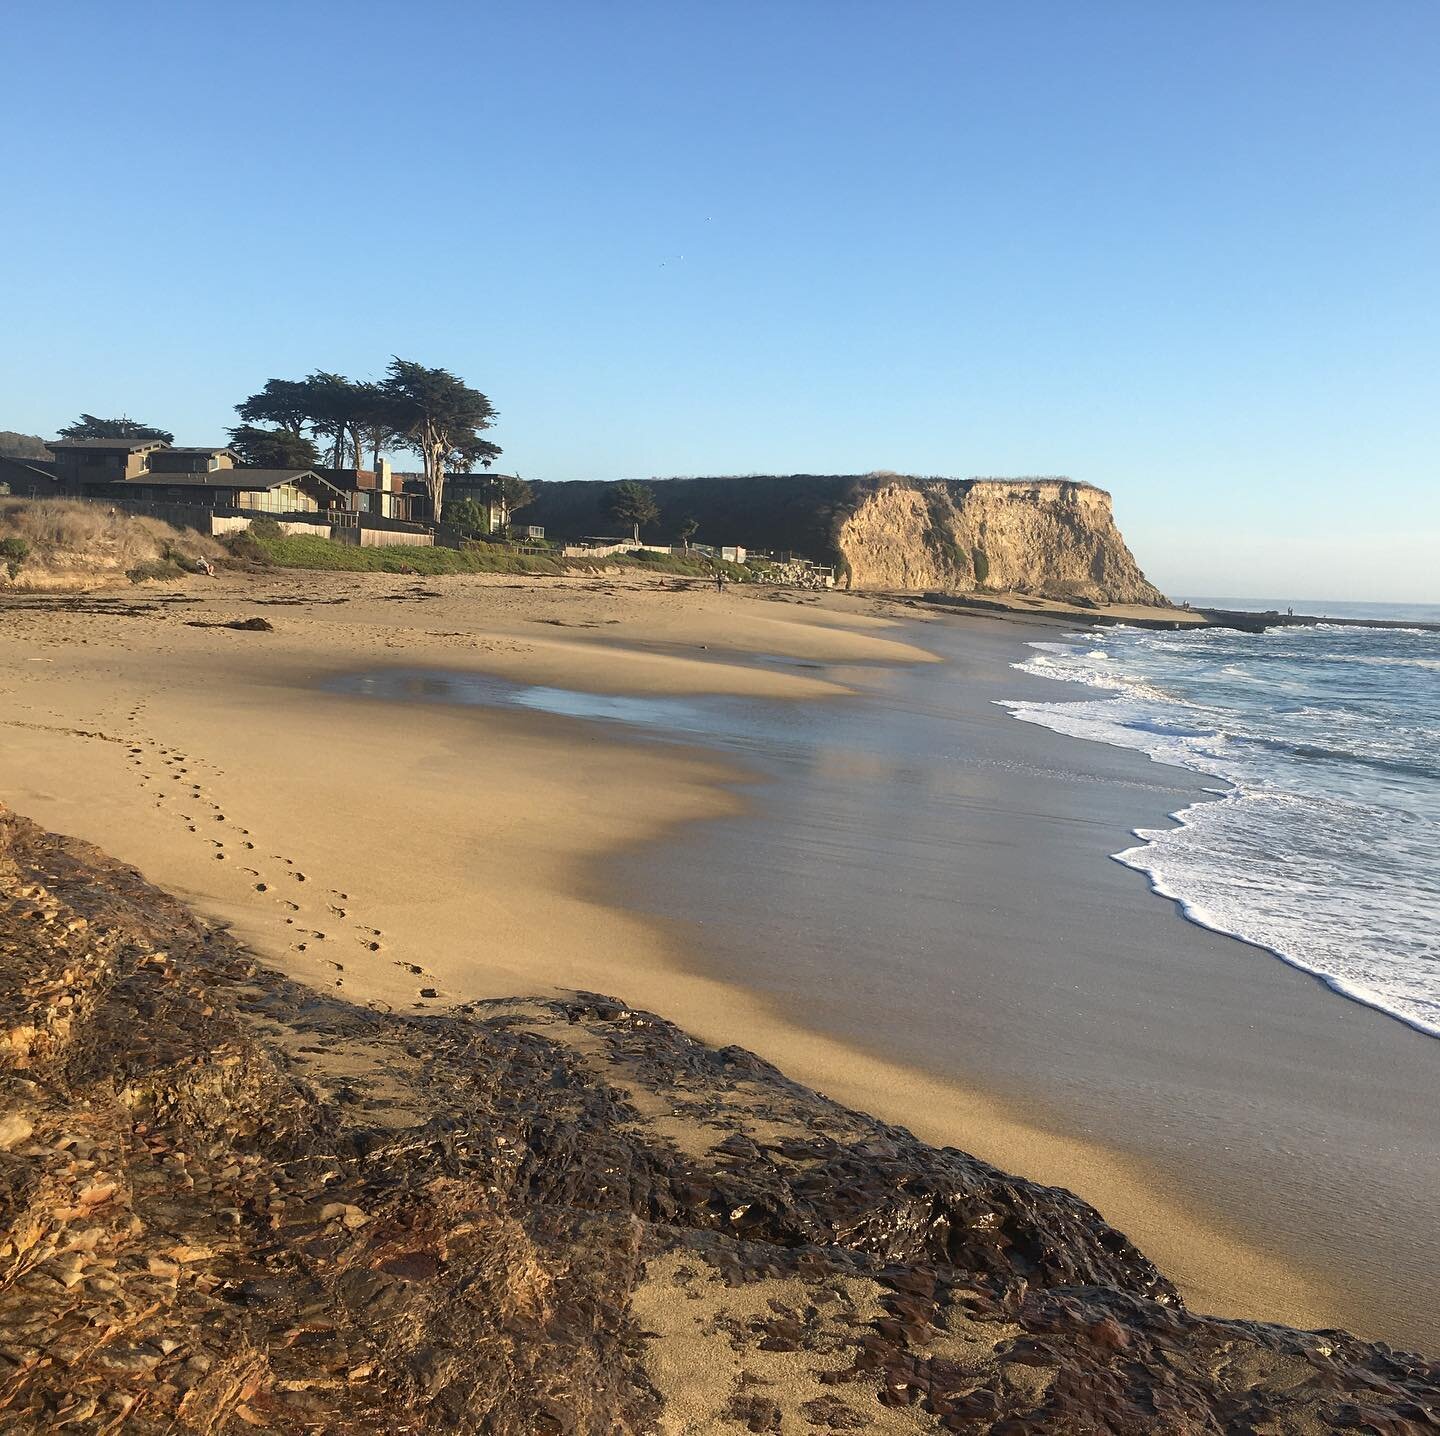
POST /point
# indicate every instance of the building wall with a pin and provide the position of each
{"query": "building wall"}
(287, 499)
(164, 461)
(77, 466)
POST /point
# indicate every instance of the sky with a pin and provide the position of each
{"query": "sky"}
(1189, 252)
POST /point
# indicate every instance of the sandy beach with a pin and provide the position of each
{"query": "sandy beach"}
(416, 854)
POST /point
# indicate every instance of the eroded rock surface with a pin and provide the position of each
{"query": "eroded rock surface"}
(229, 1203)
(1051, 537)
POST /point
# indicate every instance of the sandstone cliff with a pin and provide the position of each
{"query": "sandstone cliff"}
(1042, 536)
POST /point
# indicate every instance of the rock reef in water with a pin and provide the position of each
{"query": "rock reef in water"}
(231, 1203)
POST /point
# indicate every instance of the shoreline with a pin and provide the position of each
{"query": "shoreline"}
(524, 1212)
(682, 789)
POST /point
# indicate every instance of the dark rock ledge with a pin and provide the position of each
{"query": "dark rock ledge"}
(229, 1203)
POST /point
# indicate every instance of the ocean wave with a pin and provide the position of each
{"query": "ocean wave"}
(1360, 628)
(1186, 865)
(1323, 846)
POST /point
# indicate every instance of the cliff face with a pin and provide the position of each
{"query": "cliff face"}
(1042, 536)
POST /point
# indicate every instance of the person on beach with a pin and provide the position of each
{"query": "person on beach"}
(719, 583)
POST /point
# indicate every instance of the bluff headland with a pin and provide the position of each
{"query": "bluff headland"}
(1051, 536)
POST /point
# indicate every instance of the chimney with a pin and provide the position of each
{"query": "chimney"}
(384, 479)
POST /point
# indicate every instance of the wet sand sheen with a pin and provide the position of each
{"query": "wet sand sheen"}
(928, 880)
(923, 880)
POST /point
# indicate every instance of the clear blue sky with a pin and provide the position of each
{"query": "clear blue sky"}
(1186, 251)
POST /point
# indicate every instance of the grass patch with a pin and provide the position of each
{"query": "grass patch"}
(694, 566)
(303, 551)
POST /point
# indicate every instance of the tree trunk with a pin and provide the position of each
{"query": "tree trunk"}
(435, 463)
(357, 446)
(637, 533)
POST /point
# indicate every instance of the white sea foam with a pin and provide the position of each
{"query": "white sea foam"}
(1324, 847)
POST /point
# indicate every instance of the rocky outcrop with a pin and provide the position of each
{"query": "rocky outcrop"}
(1050, 537)
(229, 1203)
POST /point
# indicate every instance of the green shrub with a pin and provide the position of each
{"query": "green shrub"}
(164, 568)
(248, 549)
(982, 565)
(14, 550)
(265, 527)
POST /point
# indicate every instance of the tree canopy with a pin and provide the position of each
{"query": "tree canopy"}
(272, 448)
(14, 445)
(510, 491)
(439, 417)
(87, 426)
(287, 403)
(429, 411)
(632, 503)
(339, 413)
(467, 516)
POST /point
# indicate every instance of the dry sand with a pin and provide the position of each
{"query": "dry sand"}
(398, 851)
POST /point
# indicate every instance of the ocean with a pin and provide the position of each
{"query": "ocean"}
(1323, 844)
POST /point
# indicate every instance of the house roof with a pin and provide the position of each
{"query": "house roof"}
(200, 449)
(35, 467)
(222, 479)
(123, 446)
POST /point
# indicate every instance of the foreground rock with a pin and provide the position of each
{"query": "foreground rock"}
(229, 1203)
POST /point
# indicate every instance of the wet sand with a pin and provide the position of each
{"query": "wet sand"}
(928, 879)
(416, 854)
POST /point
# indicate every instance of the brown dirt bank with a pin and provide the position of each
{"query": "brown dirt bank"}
(231, 1204)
